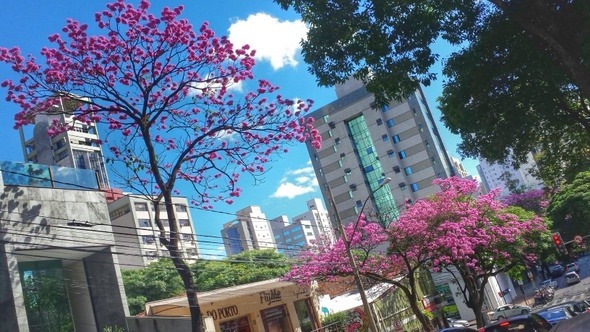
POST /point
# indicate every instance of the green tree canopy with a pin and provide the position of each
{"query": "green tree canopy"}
(570, 208)
(246, 267)
(157, 281)
(160, 280)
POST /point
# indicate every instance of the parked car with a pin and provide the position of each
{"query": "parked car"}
(555, 315)
(577, 307)
(457, 329)
(572, 267)
(549, 283)
(572, 278)
(457, 322)
(556, 270)
(509, 310)
(580, 323)
(525, 323)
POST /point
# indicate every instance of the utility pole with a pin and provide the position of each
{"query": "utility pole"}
(355, 271)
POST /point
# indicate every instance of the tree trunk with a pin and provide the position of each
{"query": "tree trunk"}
(191, 293)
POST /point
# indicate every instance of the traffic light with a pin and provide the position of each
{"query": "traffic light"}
(559, 245)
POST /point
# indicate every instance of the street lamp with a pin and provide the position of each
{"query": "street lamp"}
(352, 261)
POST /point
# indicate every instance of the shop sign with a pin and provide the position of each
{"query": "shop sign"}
(271, 296)
(224, 312)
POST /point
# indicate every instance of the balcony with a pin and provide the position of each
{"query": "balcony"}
(43, 176)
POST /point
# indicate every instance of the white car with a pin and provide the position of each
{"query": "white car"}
(509, 310)
(572, 278)
(457, 322)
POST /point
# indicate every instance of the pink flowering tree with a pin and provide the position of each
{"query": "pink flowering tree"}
(534, 200)
(164, 91)
(400, 267)
(473, 238)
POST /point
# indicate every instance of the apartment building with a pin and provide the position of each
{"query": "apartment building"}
(363, 145)
(136, 233)
(250, 230)
(76, 148)
(506, 177)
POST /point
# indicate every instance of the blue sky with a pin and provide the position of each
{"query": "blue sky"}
(275, 35)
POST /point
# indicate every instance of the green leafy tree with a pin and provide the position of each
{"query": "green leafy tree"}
(504, 99)
(570, 208)
(388, 42)
(520, 81)
(157, 281)
(246, 267)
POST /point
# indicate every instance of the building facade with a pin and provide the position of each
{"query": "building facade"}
(76, 148)
(59, 268)
(506, 177)
(136, 234)
(460, 171)
(250, 230)
(363, 145)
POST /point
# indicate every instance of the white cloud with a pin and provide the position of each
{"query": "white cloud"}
(296, 183)
(275, 41)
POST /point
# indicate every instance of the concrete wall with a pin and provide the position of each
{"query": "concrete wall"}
(159, 324)
(7, 303)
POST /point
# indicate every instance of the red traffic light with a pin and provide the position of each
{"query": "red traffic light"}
(556, 239)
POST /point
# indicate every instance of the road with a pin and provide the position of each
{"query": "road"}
(579, 291)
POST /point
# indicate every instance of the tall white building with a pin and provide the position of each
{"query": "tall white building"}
(136, 233)
(250, 230)
(75, 148)
(504, 175)
(319, 219)
(363, 145)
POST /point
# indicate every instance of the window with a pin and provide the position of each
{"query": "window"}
(144, 223)
(369, 150)
(141, 207)
(379, 122)
(183, 222)
(149, 239)
(426, 144)
(396, 169)
(337, 140)
(181, 208)
(150, 255)
(187, 237)
(385, 138)
(402, 154)
(359, 204)
(332, 125)
(347, 171)
(414, 187)
(420, 127)
(408, 170)
(369, 168)
(396, 139)
(390, 123)
(385, 108)
(390, 153)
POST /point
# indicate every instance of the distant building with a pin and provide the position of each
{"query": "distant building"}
(59, 266)
(250, 230)
(136, 233)
(505, 176)
(458, 168)
(306, 229)
(75, 148)
(363, 145)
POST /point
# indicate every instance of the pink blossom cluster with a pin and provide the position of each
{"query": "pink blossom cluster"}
(154, 79)
(452, 227)
(533, 200)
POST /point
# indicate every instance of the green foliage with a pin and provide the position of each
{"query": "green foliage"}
(160, 280)
(157, 281)
(113, 329)
(514, 85)
(338, 318)
(46, 302)
(246, 267)
(570, 208)
(501, 98)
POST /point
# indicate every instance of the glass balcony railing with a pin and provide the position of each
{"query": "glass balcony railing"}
(37, 175)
